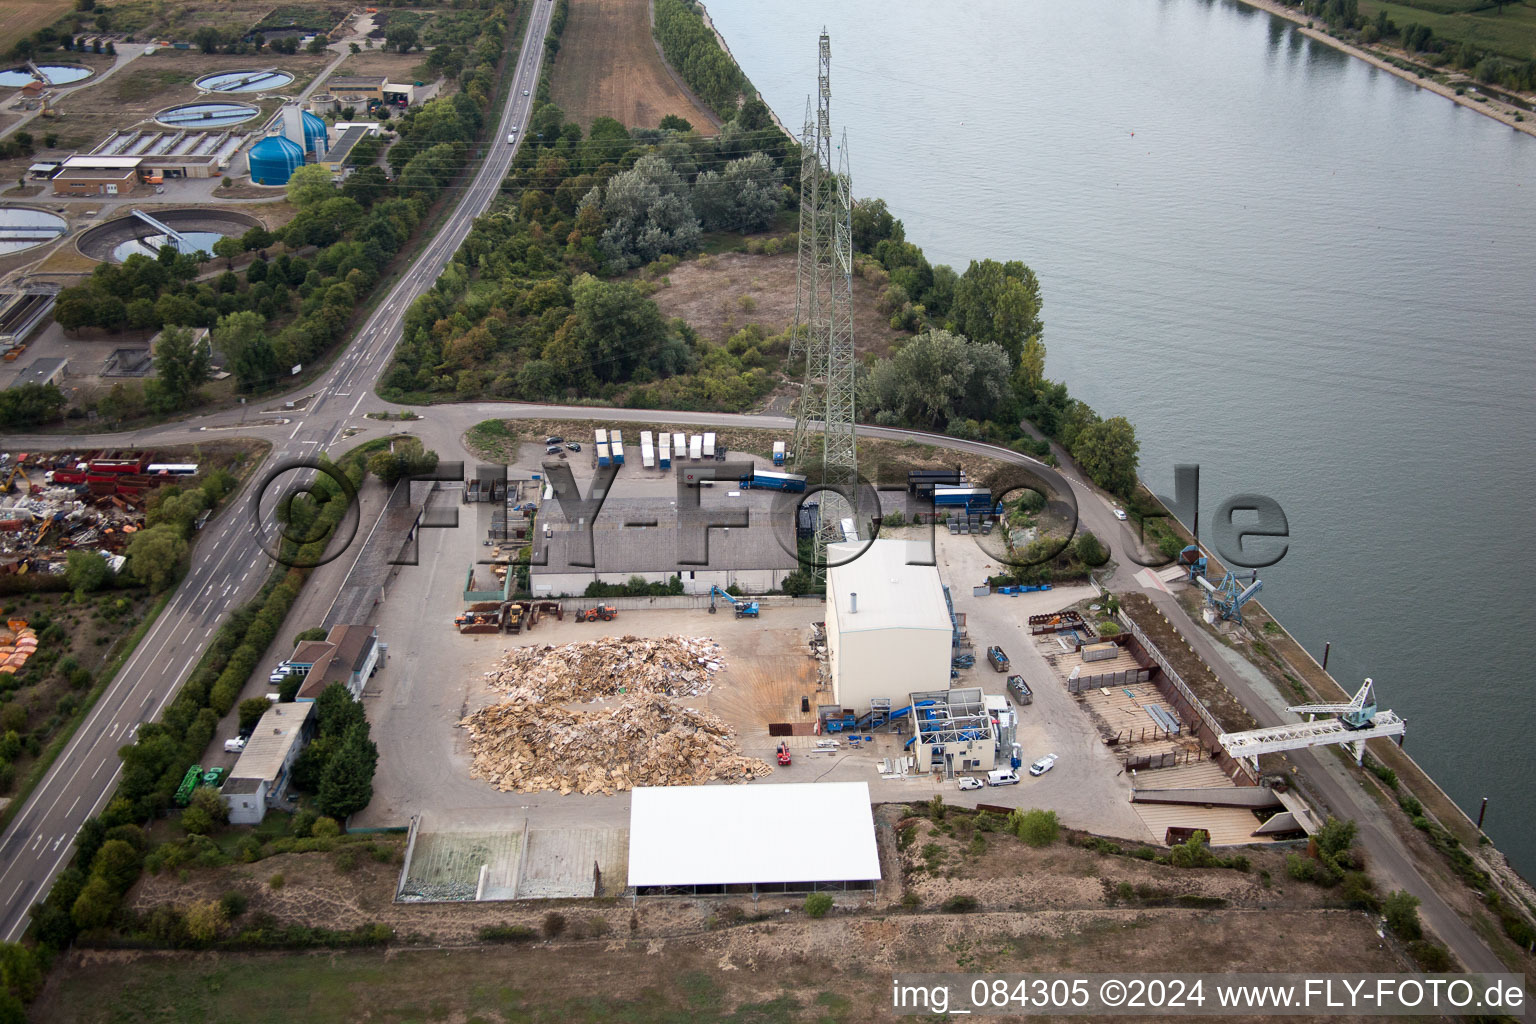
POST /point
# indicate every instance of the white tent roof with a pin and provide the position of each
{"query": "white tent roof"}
(719, 835)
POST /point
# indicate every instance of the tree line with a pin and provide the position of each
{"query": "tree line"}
(692, 50)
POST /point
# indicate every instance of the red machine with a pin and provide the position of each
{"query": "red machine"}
(783, 753)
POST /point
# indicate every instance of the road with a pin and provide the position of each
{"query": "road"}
(228, 571)
(37, 844)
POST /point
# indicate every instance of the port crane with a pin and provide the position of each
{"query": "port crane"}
(1356, 721)
(1226, 599)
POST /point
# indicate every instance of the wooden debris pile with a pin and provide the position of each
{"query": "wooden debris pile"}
(677, 666)
(524, 745)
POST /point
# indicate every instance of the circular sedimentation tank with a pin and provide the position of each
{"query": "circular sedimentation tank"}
(206, 115)
(22, 227)
(127, 236)
(55, 74)
(254, 80)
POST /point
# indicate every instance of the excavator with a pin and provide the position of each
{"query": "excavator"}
(744, 609)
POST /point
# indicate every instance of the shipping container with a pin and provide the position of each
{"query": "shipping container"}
(709, 444)
(600, 436)
(647, 451)
(695, 448)
(616, 448)
(664, 453)
(602, 453)
(1099, 652)
(971, 499)
(778, 453)
(679, 446)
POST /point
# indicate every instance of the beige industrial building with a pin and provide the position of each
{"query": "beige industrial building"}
(888, 627)
(260, 778)
(97, 176)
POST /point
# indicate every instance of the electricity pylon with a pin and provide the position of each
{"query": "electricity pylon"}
(824, 319)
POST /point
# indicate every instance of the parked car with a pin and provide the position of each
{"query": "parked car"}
(969, 782)
(1003, 777)
(574, 446)
(235, 745)
(554, 439)
(553, 449)
(1120, 514)
(1043, 765)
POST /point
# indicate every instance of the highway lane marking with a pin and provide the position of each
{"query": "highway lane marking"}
(357, 403)
(296, 428)
(491, 171)
(72, 807)
(99, 765)
(189, 661)
(37, 842)
(17, 891)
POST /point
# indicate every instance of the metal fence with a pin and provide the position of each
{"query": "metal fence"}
(1105, 679)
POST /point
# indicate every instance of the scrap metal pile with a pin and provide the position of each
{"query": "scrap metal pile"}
(675, 666)
(529, 743)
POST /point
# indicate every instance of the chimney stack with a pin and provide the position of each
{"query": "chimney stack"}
(853, 603)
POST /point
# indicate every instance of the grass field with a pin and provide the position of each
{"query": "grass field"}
(1512, 33)
(608, 66)
(20, 18)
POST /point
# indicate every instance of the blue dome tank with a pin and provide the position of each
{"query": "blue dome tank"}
(273, 160)
(316, 140)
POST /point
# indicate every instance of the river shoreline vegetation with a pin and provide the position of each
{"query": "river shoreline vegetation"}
(549, 298)
(1491, 41)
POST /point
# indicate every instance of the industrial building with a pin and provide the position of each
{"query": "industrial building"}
(42, 371)
(953, 731)
(755, 558)
(97, 176)
(259, 780)
(888, 627)
(352, 89)
(348, 655)
(335, 158)
(175, 154)
(763, 838)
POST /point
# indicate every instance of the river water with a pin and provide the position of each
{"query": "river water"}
(1305, 274)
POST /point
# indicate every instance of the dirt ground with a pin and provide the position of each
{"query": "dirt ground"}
(20, 18)
(1228, 711)
(712, 293)
(1060, 908)
(609, 66)
(165, 79)
(396, 67)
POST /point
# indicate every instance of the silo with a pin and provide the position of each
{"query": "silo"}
(273, 160)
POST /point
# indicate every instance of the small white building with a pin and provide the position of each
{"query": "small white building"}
(888, 628)
(259, 779)
(954, 731)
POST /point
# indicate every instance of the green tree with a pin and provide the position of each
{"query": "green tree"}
(745, 197)
(86, 572)
(182, 365)
(998, 302)
(251, 710)
(1109, 453)
(155, 556)
(336, 712)
(31, 404)
(312, 633)
(936, 377)
(241, 337)
(818, 904)
(20, 972)
(1401, 909)
(673, 123)
(648, 213)
(347, 785)
(1089, 550)
(614, 330)
(206, 919)
(407, 459)
(309, 186)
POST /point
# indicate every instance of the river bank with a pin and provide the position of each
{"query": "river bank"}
(1489, 107)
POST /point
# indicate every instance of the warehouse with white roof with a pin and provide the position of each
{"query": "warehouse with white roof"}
(759, 838)
(888, 628)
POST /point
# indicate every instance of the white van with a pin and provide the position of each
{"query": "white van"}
(1003, 777)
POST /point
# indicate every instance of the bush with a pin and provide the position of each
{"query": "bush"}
(1430, 956)
(505, 933)
(234, 903)
(1401, 909)
(818, 904)
(1192, 853)
(276, 881)
(1037, 827)
(1303, 869)
(325, 828)
(554, 924)
(959, 905)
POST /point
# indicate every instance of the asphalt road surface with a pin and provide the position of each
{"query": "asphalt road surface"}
(229, 565)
